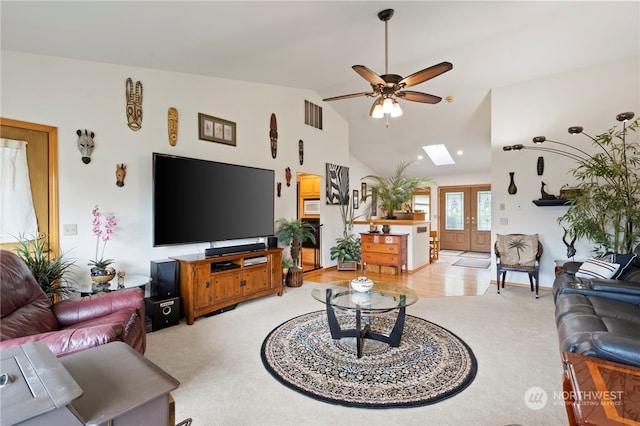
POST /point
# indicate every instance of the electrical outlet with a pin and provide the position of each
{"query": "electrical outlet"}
(504, 221)
(68, 230)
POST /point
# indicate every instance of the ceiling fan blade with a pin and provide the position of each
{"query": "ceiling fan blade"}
(353, 95)
(425, 98)
(369, 75)
(425, 74)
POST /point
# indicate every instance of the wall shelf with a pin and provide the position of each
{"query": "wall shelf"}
(547, 203)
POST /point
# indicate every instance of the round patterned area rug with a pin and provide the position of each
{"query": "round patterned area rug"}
(431, 363)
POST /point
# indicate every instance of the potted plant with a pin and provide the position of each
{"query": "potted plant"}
(347, 252)
(347, 249)
(395, 191)
(293, 233)
(605, 204)
(48, 270)
(287, 263)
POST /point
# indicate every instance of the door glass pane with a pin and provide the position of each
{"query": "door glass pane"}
(484, 210)
(455, 211)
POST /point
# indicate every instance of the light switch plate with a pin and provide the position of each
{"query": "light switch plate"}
(69, 230)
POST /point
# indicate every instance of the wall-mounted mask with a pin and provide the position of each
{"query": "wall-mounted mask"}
(287, 175)
(134, 104)
(273, 136)
(301, 151)
(121, 172)
(172, 125)
(85, 144)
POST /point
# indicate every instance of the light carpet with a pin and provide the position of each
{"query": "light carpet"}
(223, 382)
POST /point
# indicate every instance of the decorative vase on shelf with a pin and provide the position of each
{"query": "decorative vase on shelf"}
(386, 229)
(512, 185)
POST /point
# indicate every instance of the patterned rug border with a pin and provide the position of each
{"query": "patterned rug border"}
(446, 395)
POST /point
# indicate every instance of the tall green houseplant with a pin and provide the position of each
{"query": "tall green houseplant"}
(605, 206)
(393, 192)
(293, 232)
(347, 248)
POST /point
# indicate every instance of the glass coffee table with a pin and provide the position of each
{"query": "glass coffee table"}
(380, 299)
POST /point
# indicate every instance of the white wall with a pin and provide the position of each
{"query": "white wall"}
(589, 97)
(71, 95)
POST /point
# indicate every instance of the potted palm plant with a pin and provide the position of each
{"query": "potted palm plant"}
(49, 271)
(393, 192)
(292, 233)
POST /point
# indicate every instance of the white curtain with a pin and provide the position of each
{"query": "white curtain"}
(17, 214)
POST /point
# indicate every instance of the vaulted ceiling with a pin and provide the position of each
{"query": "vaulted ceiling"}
(313, 44)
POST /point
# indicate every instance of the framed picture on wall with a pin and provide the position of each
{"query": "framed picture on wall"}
(337, 184)
(213, 129)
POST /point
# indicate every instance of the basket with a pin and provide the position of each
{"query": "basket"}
(294, 278)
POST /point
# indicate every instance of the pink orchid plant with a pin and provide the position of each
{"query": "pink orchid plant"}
(102, 234)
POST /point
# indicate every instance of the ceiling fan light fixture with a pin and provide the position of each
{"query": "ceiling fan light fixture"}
(387, 106)
(396, 111)
(377, 111)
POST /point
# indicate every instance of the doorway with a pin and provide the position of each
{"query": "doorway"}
(308, 190)
(465, 218)
(42, 158)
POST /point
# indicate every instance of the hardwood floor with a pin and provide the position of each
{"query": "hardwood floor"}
(435, 280)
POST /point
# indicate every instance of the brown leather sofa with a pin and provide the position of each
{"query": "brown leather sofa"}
(69, 326)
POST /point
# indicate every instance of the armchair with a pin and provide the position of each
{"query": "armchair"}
(518, 253)
(69, 326)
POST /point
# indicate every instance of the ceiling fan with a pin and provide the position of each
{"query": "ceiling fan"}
(387, 87)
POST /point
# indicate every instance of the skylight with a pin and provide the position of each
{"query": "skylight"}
(438, 154)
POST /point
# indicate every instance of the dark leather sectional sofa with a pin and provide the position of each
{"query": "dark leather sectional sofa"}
(599, 317)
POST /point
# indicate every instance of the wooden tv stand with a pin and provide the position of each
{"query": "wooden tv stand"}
(208, 284)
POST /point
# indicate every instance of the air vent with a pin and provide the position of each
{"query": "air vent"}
(312, 115)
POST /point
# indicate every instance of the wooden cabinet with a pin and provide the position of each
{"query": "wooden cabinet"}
(384, 250)
(208, 284)
(310, 186)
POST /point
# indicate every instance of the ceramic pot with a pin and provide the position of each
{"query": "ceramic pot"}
(386, 229)
(102, 275)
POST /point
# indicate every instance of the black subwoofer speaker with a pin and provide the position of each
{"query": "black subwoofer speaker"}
(164, 279)
(162, 312)
(272, 242)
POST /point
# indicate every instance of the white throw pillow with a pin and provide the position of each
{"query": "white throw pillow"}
(595, 268)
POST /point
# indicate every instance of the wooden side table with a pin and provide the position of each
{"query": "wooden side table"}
(600, 392)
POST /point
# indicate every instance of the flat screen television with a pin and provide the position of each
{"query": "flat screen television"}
(197, 201)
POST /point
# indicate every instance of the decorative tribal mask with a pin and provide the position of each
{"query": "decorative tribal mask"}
(85, 144)
(121, 172)
(134, 104)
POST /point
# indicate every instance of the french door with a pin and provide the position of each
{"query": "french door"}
(465, 218)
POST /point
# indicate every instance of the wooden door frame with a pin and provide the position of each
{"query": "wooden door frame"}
(442, 204)
(52, 134)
